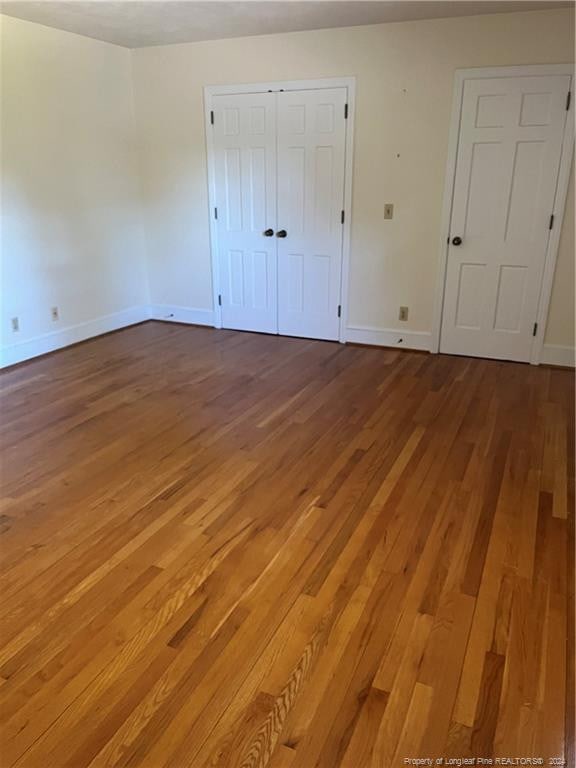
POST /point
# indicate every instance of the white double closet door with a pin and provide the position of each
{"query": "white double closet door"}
(279, 161)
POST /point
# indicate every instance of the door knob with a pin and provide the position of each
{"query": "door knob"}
(456, 241)
(268, 232)
(281, 233)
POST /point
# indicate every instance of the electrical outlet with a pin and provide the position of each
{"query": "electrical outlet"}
(403, 314)
(55, 314)
(15, 324)
(389, 210)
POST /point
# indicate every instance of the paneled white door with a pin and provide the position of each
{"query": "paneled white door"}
(311, 155)
(245, 180)
(509, 148)
(279, 163)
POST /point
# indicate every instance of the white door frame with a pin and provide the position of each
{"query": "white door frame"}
(461, 76)
(288, 85)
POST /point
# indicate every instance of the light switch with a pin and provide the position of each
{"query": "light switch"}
(389, 210)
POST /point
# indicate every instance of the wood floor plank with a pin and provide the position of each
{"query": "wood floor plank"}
(232, 550)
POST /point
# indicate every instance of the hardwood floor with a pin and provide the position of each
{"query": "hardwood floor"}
(234, 550)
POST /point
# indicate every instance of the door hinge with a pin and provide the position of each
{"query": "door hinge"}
(339, 310)
(551, 222)
(215, 213)
(345, 111)
(219, 300)
(568, 100)
(341, 217)
(535, 329)
(211, 117)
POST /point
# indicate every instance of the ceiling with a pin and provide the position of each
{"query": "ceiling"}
(139, 23)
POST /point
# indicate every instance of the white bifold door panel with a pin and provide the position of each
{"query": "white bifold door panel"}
(245, 178)
(279, 161)
(311, 153)
(509, 149)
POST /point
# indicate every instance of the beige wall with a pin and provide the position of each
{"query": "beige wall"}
(560, 328)
(72, 233)
(404, 77)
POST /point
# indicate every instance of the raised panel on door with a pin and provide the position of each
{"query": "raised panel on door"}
(245, 179)
(311, 162)
(509, 148)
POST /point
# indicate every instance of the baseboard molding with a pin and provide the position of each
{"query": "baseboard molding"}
(554, 354)
(174, 314)
(49, 342)
(388, 337)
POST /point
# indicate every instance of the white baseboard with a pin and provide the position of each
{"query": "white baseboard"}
(48, 342)
(388, 337)
(175, 314)
(554, 354)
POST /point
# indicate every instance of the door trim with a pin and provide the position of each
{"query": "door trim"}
(460, 77)
(287, 85)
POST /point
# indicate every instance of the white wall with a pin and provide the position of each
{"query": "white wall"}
(72, 233)
(404, 90)
(72, 227)
(560, 329)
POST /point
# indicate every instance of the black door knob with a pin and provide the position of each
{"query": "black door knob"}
(281, 233)
(268, 232)
(456, 241)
